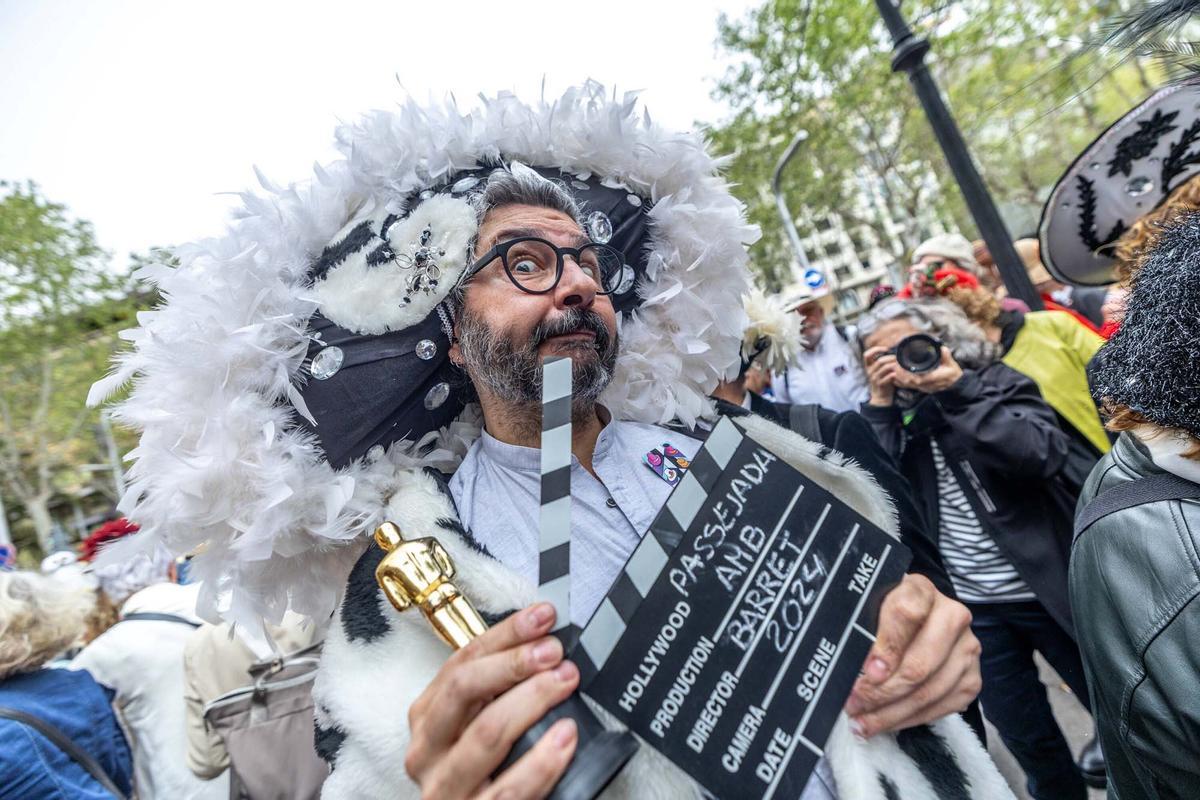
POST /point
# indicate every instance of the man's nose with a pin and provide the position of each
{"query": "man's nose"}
(576, 287)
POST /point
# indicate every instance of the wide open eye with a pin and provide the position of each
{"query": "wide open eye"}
(532, 263)
(602, 264)
(587, 263)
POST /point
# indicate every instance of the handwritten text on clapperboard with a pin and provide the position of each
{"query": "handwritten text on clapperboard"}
(738, 659)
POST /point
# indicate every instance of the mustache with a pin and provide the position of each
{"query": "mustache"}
(572, 320)
(513, 371)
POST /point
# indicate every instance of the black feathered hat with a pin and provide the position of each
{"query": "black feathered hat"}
(1152, 364)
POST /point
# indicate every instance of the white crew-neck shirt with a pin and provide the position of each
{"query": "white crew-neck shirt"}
(829, 375)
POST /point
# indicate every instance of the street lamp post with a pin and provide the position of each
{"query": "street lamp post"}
(113, 453)
(802, 264)
(908, 55)
(5, 537)
(789, 225)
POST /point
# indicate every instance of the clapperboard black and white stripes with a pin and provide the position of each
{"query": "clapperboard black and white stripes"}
(604, 629)
(554, 536)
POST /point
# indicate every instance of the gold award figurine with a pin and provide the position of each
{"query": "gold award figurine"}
(418, 572)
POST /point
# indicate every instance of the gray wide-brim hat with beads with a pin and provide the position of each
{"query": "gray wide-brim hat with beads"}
(1127, 172)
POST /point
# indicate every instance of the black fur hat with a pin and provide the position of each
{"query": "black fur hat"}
(1152, 364)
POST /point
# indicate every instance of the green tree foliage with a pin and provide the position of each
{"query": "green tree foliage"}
(1027, 89)
(60, 307)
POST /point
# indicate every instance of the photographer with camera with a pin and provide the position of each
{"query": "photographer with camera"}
(1048, 346)
(984, 453)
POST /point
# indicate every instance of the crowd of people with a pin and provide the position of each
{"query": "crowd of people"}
(110, 666)
(994, 440)
(988, 434)
(369, 349)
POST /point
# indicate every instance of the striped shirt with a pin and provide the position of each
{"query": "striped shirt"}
(979, 571)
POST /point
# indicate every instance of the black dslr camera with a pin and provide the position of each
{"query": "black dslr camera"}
(918, 353)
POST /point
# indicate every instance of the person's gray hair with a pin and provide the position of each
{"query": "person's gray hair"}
(40, 617)
(944, 320)
(967, 342)
(515, 184)
(518, 184)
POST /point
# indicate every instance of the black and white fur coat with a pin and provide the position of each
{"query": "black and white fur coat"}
(376, 662)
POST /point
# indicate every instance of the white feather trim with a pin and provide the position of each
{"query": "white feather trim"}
(780, 329)
(858, 764)
(370, 299)
(220, 462)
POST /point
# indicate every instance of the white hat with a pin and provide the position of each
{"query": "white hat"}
(57, 560)
(224, 367)
(800, 294)
(953, 246)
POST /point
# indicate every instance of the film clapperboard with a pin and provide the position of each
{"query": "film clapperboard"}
(737, 628)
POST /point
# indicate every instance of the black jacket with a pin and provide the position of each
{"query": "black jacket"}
(1006, 450)
(850, 434)
(1082, 455)
(1135, 582)
(1089, 301)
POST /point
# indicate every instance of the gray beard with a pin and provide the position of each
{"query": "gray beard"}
(514, 374)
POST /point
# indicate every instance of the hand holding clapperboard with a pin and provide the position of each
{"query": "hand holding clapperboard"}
(736, 630)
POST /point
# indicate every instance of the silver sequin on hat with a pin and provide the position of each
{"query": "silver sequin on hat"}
(326, 363)
(437, 395)
(599, 227)
(426, 349)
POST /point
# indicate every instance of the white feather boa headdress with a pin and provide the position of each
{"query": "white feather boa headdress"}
(222, 467)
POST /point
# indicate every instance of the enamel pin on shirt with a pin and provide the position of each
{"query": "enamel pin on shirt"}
(668, 463)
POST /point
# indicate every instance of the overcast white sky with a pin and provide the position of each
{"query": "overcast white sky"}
(137, 115)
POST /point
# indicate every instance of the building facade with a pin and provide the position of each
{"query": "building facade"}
(855, 257)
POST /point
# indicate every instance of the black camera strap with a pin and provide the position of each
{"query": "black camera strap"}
(155, 616)
(1151, 489)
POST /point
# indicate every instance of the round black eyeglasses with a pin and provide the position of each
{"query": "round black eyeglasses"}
(535, 265)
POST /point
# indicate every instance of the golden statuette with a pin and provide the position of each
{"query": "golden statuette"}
(419, 572)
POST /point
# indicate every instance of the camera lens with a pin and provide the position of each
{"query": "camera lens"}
(919, 352)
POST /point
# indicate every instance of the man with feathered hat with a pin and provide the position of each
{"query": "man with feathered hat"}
(367, 347)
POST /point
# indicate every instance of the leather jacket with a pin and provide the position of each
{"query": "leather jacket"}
(1135, 591)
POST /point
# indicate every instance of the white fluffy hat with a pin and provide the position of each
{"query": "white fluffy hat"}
(953, 246)
(223, 464)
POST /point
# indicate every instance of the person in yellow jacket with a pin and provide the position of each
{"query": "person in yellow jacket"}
(1053, 349)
